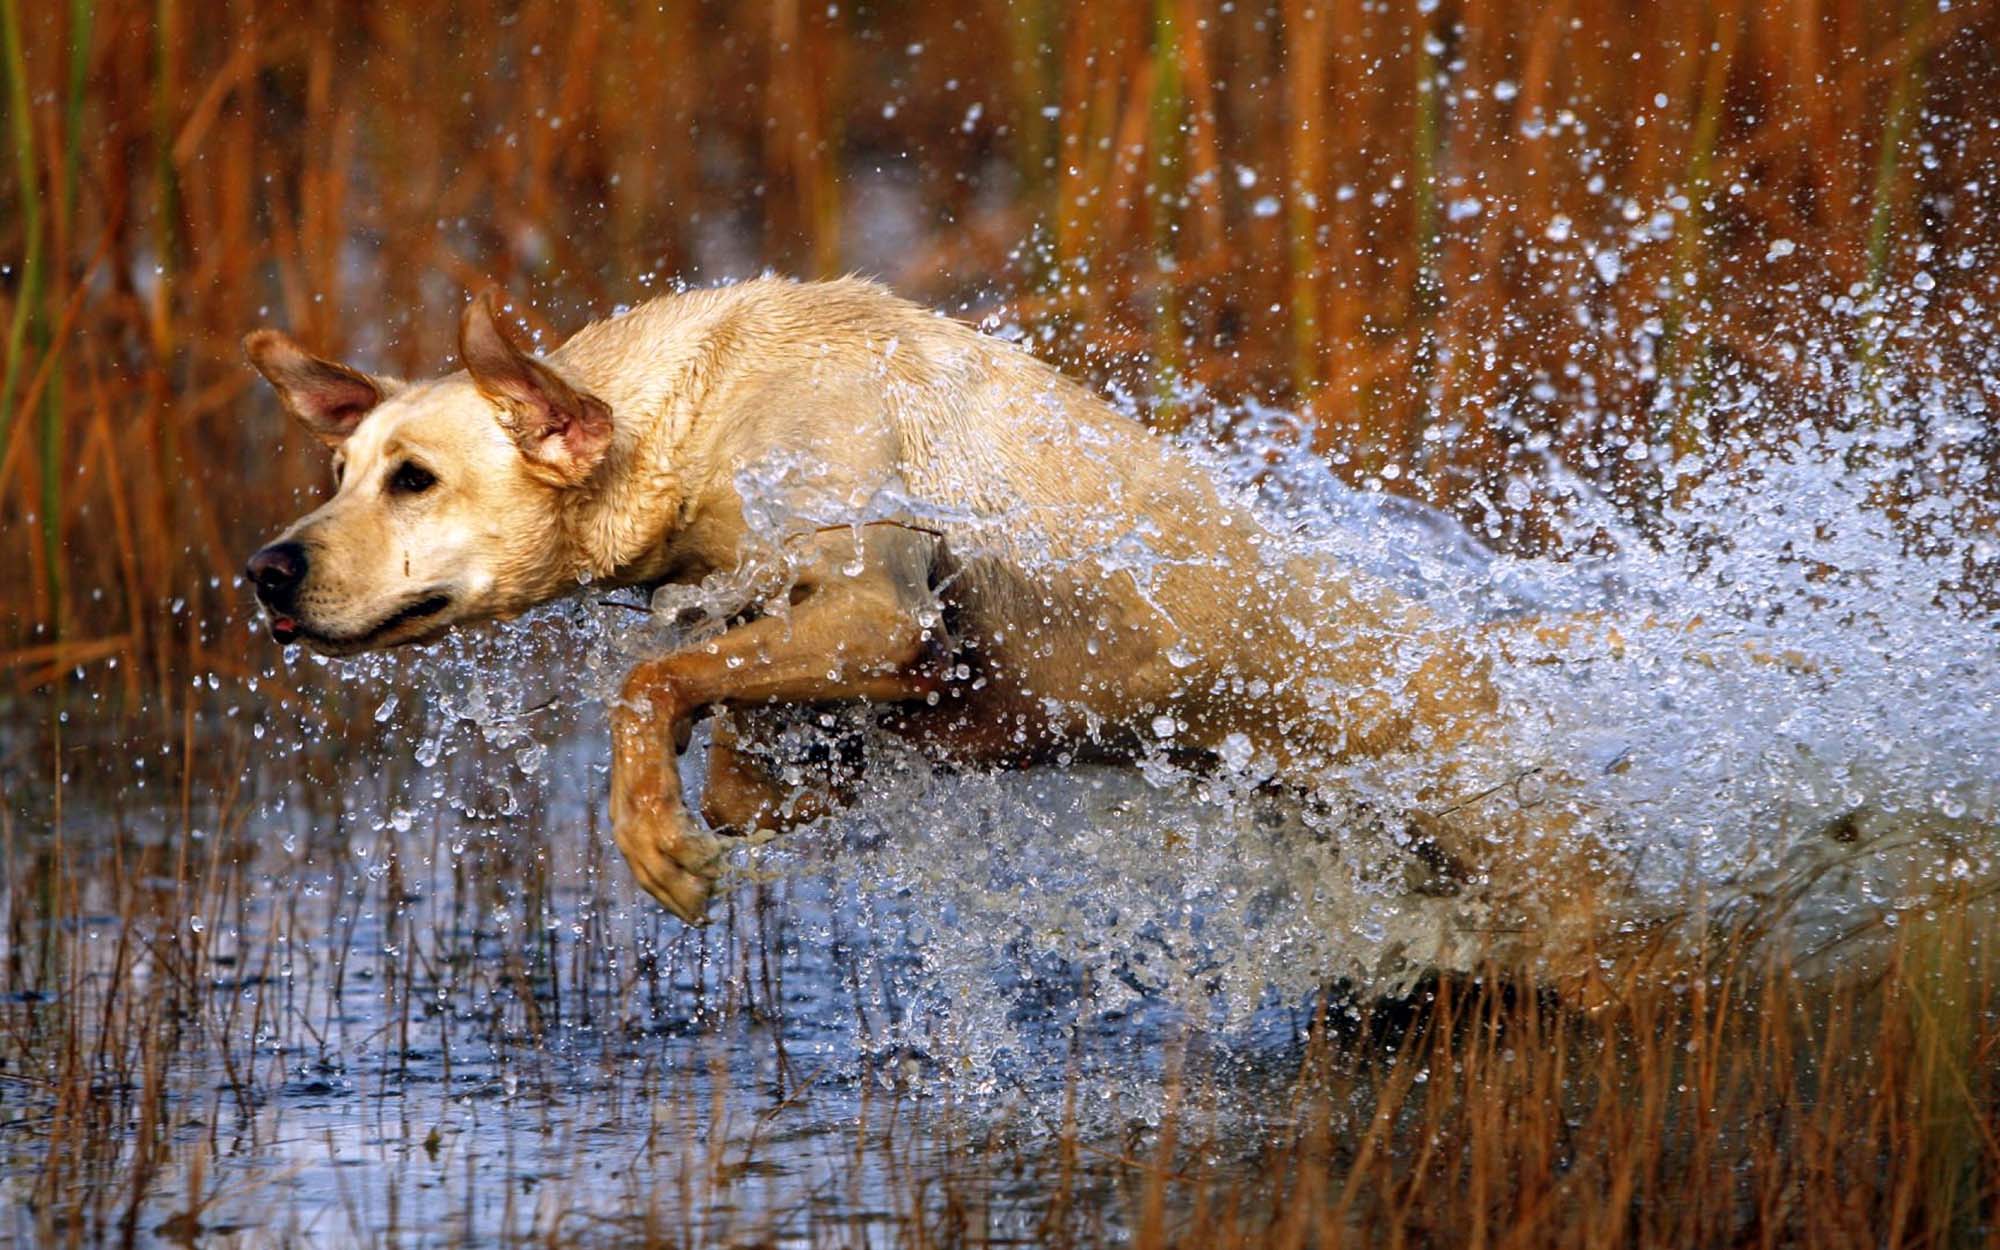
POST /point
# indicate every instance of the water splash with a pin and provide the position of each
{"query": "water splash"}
(1776, 702)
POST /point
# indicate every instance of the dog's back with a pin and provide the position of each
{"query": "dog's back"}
(1102, 581)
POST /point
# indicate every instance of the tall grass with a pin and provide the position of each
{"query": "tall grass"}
(26, 334)
(1342, 205)
(1337, 205)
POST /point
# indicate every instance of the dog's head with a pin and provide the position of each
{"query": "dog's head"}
(448, 496)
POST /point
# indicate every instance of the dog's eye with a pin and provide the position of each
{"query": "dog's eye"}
(411, 478)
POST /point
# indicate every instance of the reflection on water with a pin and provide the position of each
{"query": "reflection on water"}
(455, 1019)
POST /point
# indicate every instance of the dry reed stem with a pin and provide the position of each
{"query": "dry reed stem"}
(296, 174)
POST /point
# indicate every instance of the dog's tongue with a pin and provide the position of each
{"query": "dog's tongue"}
(284, 628)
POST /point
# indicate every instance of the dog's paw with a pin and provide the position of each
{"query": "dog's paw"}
(675, 860)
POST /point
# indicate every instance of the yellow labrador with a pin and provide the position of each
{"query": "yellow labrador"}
(923, 516)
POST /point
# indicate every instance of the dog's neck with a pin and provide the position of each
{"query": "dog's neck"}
(653, 367)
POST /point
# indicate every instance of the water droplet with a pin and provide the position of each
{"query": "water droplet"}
(1237, 752)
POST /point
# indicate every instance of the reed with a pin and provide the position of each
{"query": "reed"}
(1886, 192)
(24, 321)
(1166, 202)
(1951, 1086)
(1305, 115)
(55, 406)
(1904, 95)
(1426, 139)
(1683, 372)
(1250, 203)
(183, 1016)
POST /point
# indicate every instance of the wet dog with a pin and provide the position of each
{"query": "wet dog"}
(913, 514)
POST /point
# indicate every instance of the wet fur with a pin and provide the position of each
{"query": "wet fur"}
(1064, 581)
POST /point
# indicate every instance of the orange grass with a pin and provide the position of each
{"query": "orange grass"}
(348, 171)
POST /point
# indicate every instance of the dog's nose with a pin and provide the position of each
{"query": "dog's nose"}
(276, 569)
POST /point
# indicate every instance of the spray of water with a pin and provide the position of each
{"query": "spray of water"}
(1772, 702)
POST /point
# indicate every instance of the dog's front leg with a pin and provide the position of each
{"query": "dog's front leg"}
(743, 798)
(673, 858)
(847, 638)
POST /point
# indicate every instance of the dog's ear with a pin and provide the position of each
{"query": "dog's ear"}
(562, 432)
(328, 399)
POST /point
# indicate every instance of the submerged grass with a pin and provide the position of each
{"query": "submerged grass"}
(184, 1053)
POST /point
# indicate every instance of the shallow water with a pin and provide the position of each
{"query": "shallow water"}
(416, 995)
(429, 1005)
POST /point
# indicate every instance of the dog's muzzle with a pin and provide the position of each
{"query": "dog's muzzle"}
(276, 572)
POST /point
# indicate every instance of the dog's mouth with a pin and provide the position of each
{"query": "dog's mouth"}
(289, 629)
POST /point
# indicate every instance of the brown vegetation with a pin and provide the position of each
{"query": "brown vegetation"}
(1386, 212)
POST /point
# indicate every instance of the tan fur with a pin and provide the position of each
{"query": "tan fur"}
(1050, 579)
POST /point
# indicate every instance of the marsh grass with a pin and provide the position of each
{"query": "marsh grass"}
(1344, 206)
(176, 1039)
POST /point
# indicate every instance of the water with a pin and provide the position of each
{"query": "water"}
(414, 991)
(421, 999)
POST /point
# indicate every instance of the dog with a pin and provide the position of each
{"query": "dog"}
(916, 516)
